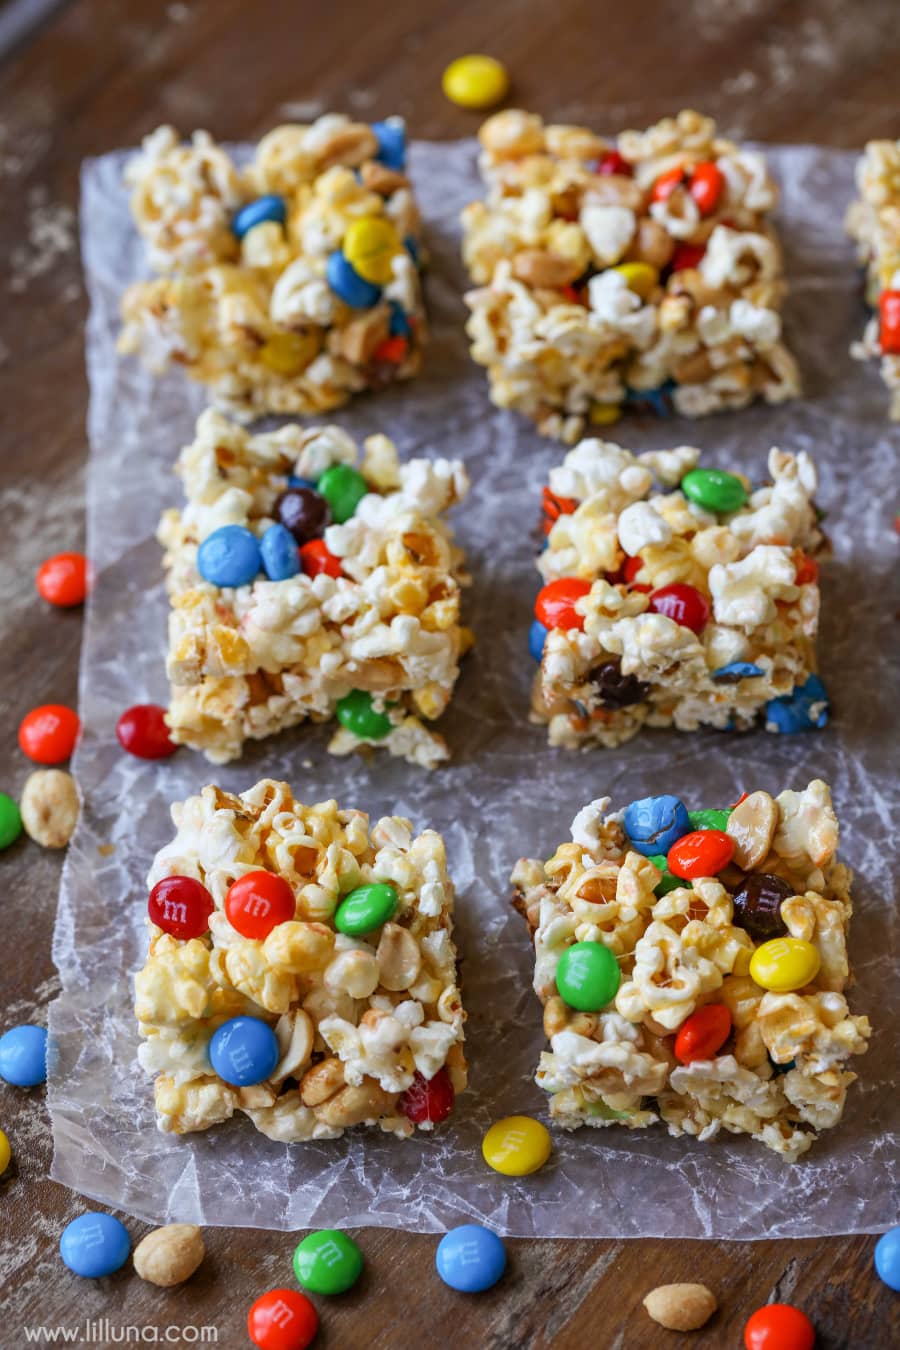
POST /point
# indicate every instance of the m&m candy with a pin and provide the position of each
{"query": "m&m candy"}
(244, 1051)
(366, 908)
(784, 964)
(23, 1055)
(736, 671)
(355, 712)
(706, 184)
(516, 1146)
(316, 558)
(537, 636)
(588, 976)
(258, 902)
(887, 1257)
(370, 245)
(683, 604)
(654, 823)
(94, 1245)
(229, 556)
(303, 511)
(555, 604)
(181, 907)
(343, 487)
(10, 820)
(703, 1034)
(63, 579)
(802, 710)
(889, 323)
(757, 905)
(666, 882)
(254, 213)
(282, 1319)
(48, 734)
(327, 1262)
(714, 490)
(5, 1153)
(470, 1258)
(709, 818)
(702, 853)
(428, 1099)
(475, 81)
(142, 731)
(348, 285)
(391, 138)
(279, 552)
(779, 1326)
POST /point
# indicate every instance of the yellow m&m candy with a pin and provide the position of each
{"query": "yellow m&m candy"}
(369, 246)
(5, 1153)
(784, 964)
(516, 1146)
(289, 353)
(604, 414)
(640, 277)
(475, 81)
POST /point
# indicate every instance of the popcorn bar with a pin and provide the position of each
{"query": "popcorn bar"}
(692, 966)
(305, 587)
(642, 274)
(691, 603)
(287, 285)
(301, 969)
(874, 223)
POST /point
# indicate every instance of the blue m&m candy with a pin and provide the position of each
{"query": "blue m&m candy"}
(391, 138)
(255, 212)
(94, 1244)
(470, 1258)
(280, 554)
(398, 324)
(653, 824)
(736, 670)
(229, 556)
(23, 1055)
(348, 285)
(412, 248)
(804, 709)
(887, 1258)
(295, 481)
(537, 636)
(244, 1051)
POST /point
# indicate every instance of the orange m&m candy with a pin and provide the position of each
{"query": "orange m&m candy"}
(48, 734)
(555, 605)
(62, 580)
(779, 1326)
(702, 853)
(703, 1034)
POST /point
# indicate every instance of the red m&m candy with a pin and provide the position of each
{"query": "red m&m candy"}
(707, 182)
(666, 183)
(555, 604)
(703, 1034)
(555, 506)
(142, 731)
(702, 853)
(48, 734)
(428, 1098)
(613, 162)
(258, 902)
(315, 558)
(889, 327)
(687, 255)
(779, 1326)
(683, 604)
(62, 579)
(181, 907)
(282, 1319)
(807, 570)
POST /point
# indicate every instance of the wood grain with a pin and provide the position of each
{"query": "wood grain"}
(99, 74)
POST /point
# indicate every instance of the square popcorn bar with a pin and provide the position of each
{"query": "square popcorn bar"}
(287, 284)
(692, 604)
(303, 587)
(691, 967)
(874, 222)
(301, 969)
(644, 273)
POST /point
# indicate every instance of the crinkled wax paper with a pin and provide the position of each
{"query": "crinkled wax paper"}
(505, 793)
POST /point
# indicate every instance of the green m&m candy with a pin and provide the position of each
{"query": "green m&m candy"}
(366, 908)
(327, 1262)
(10, 821)
(714, 490)
(355, 712)
(343, 488)
(712, 819)
(587, 976)
(667, 881)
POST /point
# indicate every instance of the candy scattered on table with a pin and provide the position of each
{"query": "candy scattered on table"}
(327, 1262)
(470, 1258)
(779, 1326)
(143, 732)
(23, 1055)
(335, 573)
(282, 1319)
(887, 1257)
(10, 820)
(169, 1255)
(244, 1051)
(5, 1153)
(48, 734)
(63, 580)
(622, 645)
(681, 1307)
(712, 1021)
(475, 81)
(516, 1146)
(50, 807)
(94, 1245)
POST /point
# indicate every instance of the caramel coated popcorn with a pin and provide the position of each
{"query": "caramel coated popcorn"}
(365, 629)
(269, 292)
(729, 1010)
(642, 272)
(368, 1026)
(873, 221)
(676, 596)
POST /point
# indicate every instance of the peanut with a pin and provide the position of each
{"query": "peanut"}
(681, 1307)
(752, 826)
(651, 244)
(354, 1104)
(169, 1255)
(377, 178)
(50, 807)
(322, 1081)
(350, 145)
(538, 267)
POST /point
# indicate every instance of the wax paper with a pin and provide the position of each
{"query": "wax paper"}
(505, 793)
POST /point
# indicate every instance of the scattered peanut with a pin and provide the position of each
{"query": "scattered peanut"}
(169, 1255)
(50, 807)
(752, 826)
(681, 1307)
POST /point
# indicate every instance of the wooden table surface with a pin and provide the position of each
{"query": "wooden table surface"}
(86, 80)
